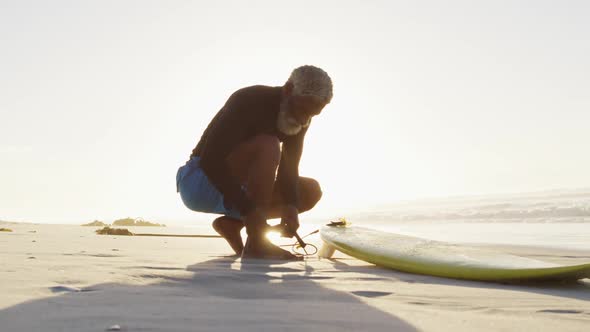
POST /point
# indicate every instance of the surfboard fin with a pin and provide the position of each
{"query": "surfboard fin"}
(326, 251)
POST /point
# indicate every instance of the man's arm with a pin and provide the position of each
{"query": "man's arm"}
(288, 173)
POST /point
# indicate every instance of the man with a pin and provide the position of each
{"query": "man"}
(232, 169)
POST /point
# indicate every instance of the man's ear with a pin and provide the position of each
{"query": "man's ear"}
(288, 89)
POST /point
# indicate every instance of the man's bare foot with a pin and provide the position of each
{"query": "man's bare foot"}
(229, 228)
(264, 249)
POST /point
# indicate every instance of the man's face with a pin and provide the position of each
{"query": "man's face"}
(296, 113)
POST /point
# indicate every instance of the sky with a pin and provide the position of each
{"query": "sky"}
(102, 101)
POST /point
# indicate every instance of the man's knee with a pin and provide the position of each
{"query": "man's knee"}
(316, 191)
(313, 194)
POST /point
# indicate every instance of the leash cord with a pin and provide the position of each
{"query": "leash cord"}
(296, 247)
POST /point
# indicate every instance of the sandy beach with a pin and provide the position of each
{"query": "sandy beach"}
(464, 122)
(66, 278)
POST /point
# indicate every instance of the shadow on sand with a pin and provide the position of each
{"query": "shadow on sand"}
(221, 294)
(579, 290)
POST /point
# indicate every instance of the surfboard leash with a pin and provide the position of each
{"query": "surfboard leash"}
(301, 245)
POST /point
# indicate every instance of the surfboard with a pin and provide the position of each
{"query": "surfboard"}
(442, 259)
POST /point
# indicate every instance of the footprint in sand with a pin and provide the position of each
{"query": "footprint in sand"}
(561, 311)
(371, 293)
(59, 289)
(419, 303)
(68, 289)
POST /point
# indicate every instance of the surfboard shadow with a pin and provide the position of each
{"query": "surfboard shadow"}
(579, 290)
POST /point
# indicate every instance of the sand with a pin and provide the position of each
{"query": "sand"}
(66, 278)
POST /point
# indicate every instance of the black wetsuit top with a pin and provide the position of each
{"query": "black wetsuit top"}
(248, 112)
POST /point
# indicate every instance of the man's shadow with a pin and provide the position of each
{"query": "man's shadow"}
(221, 294)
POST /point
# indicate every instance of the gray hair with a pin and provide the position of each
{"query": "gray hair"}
(311, 81)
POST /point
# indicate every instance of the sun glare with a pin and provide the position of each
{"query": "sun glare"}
(274, 237)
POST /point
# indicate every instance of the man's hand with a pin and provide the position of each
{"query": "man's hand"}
(290, 220)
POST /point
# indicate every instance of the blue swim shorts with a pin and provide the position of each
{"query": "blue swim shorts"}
(198, 193)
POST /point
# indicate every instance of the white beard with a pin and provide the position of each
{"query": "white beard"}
(286, 123)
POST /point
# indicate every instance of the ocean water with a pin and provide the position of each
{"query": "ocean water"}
(547, 235)
(552, 219)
